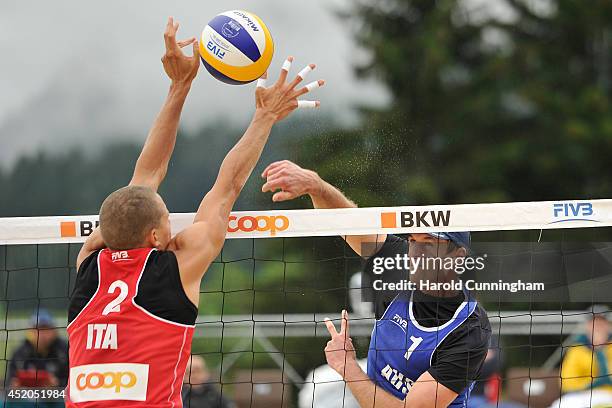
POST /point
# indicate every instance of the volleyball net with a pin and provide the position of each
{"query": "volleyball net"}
(260, 332)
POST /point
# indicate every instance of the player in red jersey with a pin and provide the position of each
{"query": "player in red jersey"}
(134, 306)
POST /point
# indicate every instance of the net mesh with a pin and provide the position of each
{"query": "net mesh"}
(261, 334)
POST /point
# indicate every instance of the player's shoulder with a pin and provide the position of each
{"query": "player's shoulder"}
(473, 333)
(90, 262)
(167, 255)
(160, 261)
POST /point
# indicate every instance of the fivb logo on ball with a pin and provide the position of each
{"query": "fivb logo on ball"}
(236, 47)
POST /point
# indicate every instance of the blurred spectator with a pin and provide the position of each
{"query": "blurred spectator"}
(197, 391)
(42, 359)
(325, 388)
(486, 391)
(585, 369)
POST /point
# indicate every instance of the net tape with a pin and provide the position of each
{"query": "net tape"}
(346, 221)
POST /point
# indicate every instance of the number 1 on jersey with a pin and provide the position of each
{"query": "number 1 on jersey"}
(415, 343)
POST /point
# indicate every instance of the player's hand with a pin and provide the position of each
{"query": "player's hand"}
(292, 180)
(281, 99)
(179, 67)
(340, 351)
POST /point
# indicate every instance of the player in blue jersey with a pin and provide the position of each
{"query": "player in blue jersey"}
(428, 346)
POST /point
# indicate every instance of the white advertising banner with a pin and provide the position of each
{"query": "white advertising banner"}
(347, 221)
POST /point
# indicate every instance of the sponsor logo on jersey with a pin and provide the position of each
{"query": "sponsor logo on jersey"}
(116, 381)
(260, 223)
(403, 323)
(120, 256)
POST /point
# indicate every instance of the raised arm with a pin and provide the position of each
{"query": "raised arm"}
(198, 245)
(294, 181)
(152, 164)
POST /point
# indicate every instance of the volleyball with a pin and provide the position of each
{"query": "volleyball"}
(236, 47)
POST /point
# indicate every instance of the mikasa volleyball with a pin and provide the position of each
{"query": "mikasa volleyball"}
(236, 47)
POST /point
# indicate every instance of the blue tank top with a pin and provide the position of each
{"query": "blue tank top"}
(401, 349)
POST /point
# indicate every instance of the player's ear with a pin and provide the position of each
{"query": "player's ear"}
(461, 252)
(153, 238)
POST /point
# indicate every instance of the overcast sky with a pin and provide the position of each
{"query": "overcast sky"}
(76, 72)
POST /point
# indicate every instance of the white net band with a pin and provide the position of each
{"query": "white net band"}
(348, 221)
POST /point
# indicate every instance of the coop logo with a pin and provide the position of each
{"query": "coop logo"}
(260, 223)
(427, 218)
(230, 29)
(83, 228)
(573, 211)
(101, 382)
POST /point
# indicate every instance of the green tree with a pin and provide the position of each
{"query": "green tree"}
(484, 107)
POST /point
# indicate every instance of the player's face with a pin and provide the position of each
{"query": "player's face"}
(426, 245)
(42, 337)
(198, 373)
(434, 254)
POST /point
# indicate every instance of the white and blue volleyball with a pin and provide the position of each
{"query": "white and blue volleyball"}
(236, 47)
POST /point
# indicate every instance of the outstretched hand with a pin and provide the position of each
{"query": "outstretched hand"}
(340, 351)
(292, 180)
(282, 98)
(179, 67)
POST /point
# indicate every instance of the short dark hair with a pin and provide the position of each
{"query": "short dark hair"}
(127, 215)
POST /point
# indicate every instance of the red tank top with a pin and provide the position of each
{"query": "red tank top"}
(120, 354)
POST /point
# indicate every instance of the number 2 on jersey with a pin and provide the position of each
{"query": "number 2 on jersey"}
(115, 304)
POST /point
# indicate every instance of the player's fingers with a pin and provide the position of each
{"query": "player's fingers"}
(262, 81)
(301, 75)
(273, 184)
(184, 43)
(196, 53)
(283, 196)
(344, 325)
(284, 71)
(169, 34)
(276, 172)
(308, 88)
(271, 167)
(330, 327)
(308, 104)
(275, 175)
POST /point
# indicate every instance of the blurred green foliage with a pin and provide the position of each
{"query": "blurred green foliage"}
(484, 108)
